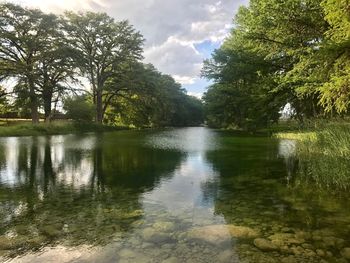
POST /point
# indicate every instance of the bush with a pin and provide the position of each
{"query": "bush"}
(79, 109)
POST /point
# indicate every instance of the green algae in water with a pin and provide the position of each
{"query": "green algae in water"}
(178, 195)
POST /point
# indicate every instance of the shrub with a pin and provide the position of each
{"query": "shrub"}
(79, 109)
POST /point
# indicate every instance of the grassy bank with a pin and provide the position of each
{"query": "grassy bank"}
(323, 154)
(25, 128)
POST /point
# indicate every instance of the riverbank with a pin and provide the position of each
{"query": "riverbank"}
(328, 138)
(24, 128)
(323, 153)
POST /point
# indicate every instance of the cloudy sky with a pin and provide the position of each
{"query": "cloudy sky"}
(179, 33)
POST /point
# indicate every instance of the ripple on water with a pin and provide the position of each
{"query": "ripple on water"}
(186, 140)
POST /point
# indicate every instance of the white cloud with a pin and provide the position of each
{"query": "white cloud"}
(176, 57)
(199, 95)
(58, 6)
(185, 79)
(171, 28)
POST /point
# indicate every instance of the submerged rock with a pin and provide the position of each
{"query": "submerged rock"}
(11, 243)
(36, 241)
(242, 231)
(171, 260)
(285, 238)
(131, 255)
(219, 234)
(51, 231)
(320, 253)
(297, 250)
(22, 229)
(225, 256)
(346, 252)
(5, 243)
(152, 235)
(164, 226)
(264, 244)
(133, 214)
(289, 259)
(333, 242)
(127, 253)
(215, 235)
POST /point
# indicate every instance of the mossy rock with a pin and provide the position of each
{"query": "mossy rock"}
(11, 243)
(265, 245)
(51, 231)
(164, 226)
(37, 241)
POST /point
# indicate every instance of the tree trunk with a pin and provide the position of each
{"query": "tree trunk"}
(47, 96)
(33, 101)
(99, 107)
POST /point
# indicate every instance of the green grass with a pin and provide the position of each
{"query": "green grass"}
(329, 138)
(25, 128)
(323, 153)
(298, 136)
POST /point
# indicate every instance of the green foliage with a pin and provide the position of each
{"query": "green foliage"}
(46, 56)
(241, 96)
(281, 52)
(79, 109)
(154, 100)
(321, 152)
(106, 49)
(26, 36)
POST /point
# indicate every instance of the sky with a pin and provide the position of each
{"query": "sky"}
(179, 34)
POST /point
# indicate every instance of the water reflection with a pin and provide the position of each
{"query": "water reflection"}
(287, 150)
(74, 190)
(163, 196)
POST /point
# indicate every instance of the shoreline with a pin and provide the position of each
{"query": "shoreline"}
(55, 128)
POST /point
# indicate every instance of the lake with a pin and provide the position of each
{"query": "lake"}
(176, 195)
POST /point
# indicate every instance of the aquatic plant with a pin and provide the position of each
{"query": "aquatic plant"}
(324, 155)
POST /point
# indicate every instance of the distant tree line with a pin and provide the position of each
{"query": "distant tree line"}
(279, 52)
(48, 59)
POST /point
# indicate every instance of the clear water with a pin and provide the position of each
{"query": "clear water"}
(180, 195)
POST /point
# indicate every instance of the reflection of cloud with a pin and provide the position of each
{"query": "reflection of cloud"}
(189, 140)
(286, 148)
(183, 193)
(26, 154)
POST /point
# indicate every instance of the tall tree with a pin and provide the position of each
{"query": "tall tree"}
(57, 72)
(25, 33)
(106, 46)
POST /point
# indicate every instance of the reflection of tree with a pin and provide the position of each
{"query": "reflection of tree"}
(48, 197)
(248, 182)
(48, 173)
(251, 189)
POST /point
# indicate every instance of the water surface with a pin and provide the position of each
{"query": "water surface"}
(179, 195)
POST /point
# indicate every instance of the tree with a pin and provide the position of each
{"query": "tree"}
(240, 96)
(25, 33)
(282, 52)
(57, 72)
(79, 109)
(335, 92)
(105, 47)
(148, 98)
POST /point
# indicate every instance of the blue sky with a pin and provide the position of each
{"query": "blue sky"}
(205, 49)
(179, 34)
